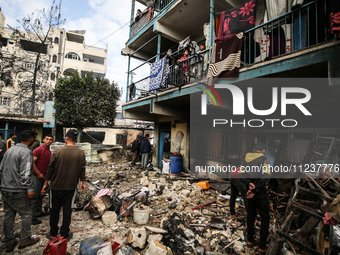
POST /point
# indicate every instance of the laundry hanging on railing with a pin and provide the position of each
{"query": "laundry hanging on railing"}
(159, 73)
(335, 16)
(236, 20)
(225, 58)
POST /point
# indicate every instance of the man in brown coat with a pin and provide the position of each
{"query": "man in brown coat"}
(66, 168)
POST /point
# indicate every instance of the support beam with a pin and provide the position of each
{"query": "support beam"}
(298, 243)
(211, 26)
(132, 13)
(128, 79)
(139, 116)
(170, 111)
(159, 44)
(168, 32)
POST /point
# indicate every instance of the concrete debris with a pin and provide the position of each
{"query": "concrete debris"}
(109, 218)
(137, 237)
(155, 247)
(183, 218)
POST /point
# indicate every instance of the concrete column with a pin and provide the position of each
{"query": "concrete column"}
(128, 80)
(211, 25)
(132, 13)
(159, 43)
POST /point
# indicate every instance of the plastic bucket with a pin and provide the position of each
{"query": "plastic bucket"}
(141, 215)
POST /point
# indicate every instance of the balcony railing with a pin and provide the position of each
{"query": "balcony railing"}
(163, 3)
(296, 30)
(147, 15)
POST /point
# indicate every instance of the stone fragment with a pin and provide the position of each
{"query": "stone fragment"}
(109, 218)
(189, 233)
(238, 246)
(155, 237)
(185, 192)
(155, 247)
(144, 181)
(137, 237)
(207, 212)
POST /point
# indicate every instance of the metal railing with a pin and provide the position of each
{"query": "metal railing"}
(163, 3)
(189, 70)
(303, 27)
(145, 17)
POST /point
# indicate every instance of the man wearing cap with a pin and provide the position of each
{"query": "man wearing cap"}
(66, 168)
(255, 173)
(17, 191)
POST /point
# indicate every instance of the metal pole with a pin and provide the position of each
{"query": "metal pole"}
(127, 81)
(211, 26)
(132, 13)
(159, 46)
(6, 130)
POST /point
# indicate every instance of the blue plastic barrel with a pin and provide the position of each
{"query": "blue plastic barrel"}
(176, 163)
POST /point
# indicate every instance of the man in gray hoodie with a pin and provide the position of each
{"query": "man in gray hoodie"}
(17, 191)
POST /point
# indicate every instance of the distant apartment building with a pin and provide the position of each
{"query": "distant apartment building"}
(64, 53)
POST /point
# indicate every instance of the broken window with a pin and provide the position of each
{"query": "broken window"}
(33, 46)
(54, 59)
(5, 101)
(52, 76)
(56, 40)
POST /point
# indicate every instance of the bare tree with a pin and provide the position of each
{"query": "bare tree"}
(37, 28)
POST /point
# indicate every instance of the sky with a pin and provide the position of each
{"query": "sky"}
(99, 18)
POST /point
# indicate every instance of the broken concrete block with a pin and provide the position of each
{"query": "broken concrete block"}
(137, 237)
(155, 237)
(238, 246)
(109, 218)
(188, 210)
(189, 233)
(144, 181)
(185, 192)
(207, 212)
(155, 247)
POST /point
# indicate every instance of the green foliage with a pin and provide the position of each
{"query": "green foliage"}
(86, 102)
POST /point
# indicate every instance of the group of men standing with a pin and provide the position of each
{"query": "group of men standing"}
(252, 185)
(141, 147)
(25, 177)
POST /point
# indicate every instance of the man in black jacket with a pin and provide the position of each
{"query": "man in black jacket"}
(255, 173)
(135, 150)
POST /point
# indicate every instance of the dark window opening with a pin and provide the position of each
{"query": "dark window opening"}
(33, 46)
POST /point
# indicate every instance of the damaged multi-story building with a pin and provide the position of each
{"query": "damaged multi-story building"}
(63, 53)
(287, 39)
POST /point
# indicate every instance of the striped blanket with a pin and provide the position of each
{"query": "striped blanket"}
(225, 57)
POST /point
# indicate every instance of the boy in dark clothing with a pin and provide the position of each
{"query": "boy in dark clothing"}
(145, 148)
(135, 150)
(255, 173)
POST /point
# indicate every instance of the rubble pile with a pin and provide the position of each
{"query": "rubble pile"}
(148, 212)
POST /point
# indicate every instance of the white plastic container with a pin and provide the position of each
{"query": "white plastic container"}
(141, 215)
